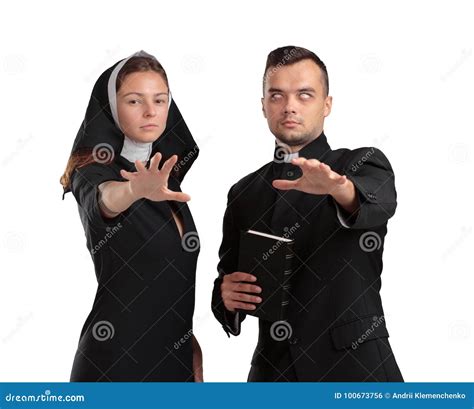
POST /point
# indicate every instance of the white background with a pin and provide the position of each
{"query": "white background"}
(401, 78)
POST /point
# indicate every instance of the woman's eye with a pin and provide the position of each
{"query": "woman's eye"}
(133, 102)
(160, 101)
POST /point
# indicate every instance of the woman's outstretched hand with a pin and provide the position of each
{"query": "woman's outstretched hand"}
(152, 183)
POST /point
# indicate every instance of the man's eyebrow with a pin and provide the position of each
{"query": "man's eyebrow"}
(274, 90)
(141, 95)
(307, 89)
(304, 89)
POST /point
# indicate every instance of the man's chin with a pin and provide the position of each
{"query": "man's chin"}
(292, 140)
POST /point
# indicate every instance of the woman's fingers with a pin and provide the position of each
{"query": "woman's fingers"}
(177, 196)
(169, 164)
(155, 161)
(139, 166)
(127, 175)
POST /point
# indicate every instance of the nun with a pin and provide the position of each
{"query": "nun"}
(125, 170)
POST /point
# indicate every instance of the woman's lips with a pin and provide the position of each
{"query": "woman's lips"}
(149, 127)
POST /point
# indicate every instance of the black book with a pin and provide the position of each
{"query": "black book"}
(269, 258)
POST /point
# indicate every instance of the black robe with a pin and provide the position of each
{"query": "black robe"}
(140, 325)
(336, 329)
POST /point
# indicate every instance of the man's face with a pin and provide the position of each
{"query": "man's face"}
(295, 103)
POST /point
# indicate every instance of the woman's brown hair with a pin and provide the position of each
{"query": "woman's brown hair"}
(86, 156)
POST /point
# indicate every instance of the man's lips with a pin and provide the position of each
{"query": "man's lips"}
(290, 124)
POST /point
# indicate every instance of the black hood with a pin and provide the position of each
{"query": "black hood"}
(99, 130)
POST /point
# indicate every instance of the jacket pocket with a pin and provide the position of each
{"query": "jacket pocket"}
(355, 333)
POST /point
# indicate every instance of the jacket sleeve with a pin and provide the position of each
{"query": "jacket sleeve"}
(228, 256)
(84, 186)
(374, 181)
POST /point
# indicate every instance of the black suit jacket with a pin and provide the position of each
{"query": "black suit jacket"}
(336, 329)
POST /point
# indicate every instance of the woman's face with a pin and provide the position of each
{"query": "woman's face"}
(142, 106)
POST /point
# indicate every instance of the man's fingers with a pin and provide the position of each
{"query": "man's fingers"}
(298, 161)
(240, 276)
(236, 296)
(283, 184)
(247, 288)
(242, 305)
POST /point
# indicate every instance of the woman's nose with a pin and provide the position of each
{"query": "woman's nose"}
(150, 110)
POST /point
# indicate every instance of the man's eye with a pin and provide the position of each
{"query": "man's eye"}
(275, 96)
(305, 95)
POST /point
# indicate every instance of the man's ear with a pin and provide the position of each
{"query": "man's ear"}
(327, 106)
(263, 108)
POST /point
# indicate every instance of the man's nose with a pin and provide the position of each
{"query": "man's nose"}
(290, 106)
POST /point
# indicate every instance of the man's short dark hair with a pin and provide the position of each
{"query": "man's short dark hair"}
(290, 55)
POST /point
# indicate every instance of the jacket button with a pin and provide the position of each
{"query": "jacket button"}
(290, 173)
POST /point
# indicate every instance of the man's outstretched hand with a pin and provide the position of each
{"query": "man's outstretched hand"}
(319, 179)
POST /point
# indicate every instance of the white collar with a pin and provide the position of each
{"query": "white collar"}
(288, 157)
(133, 150)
